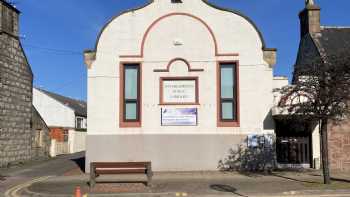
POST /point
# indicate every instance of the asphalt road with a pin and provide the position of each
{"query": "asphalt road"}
(46, 177)
(52, 167)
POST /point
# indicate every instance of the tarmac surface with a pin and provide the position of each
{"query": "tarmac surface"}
(194, 184)
(61, 176)
(20, 174)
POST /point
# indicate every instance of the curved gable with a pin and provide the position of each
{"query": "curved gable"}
(239, 14)
(205, 1)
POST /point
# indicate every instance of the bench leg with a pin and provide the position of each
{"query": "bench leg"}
(149, 180)
(92, 176)
(149, 176)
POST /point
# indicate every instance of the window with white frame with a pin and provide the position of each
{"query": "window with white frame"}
(79, 123)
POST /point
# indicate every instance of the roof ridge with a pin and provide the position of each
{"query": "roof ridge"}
(50, 92)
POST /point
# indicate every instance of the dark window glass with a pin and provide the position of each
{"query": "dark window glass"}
(131, 92)
(79, 123)
(227, 92)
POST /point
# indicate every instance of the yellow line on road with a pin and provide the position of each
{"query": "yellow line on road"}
(12, 192)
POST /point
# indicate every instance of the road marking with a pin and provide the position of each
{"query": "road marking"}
(181, 194)
(12, 192)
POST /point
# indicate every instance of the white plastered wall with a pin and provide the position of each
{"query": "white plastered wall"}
(233, 33)
(54, 113)
(123, 36)
(316, 147)
(76, 141)
(280, 82)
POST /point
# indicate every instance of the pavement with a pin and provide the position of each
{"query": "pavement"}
(61, 176)
(205, 184)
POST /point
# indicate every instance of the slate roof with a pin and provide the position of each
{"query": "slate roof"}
(330, 41)
(79, 107)
(333, 40)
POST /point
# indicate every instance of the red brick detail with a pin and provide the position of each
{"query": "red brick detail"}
(57, 134)
(339, 146)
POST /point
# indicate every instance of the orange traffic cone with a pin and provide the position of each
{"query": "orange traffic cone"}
(77, 192)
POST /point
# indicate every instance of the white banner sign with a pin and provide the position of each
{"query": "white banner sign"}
(179, 116)
(179, 91)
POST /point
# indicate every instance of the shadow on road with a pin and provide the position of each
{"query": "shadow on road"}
(293, 179)
(334, 179)
(80, 163)
(226, 188)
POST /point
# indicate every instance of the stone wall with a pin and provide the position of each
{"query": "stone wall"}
(16, 82)
(339, 146)
(15, 102)
(41, 140)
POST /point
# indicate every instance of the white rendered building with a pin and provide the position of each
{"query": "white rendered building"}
(177, 83)
(66, 119)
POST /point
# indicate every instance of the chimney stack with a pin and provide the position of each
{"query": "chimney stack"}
(310, 19)
(8, 18)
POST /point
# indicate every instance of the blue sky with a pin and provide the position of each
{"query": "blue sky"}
(55, 32)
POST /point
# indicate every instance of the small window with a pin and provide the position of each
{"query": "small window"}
(79, 123)
(65, 136)
(130, 90)
(227, 97)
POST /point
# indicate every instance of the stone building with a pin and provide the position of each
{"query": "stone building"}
(16, 81)
(319, 42)
(65, 118)
(178, 83)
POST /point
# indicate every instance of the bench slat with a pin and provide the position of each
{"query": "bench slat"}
(121, 171)
(121, 165)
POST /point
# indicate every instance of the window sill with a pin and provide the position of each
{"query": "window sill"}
(228, 124)
(129, 124)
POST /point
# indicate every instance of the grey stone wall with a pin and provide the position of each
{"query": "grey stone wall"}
(41, 140)
(16, 82)
(15, 102)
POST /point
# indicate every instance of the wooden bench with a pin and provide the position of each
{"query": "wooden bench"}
(109, 168)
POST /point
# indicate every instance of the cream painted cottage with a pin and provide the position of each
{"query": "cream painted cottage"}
(177, 83)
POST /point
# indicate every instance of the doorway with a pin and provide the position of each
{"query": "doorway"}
(294, 143)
